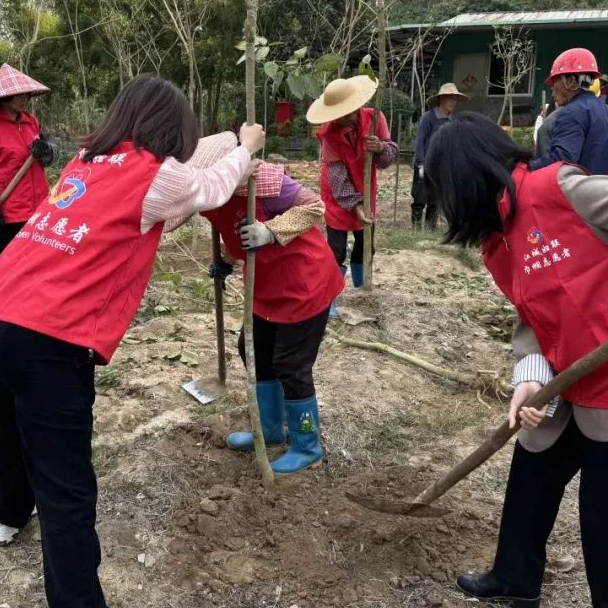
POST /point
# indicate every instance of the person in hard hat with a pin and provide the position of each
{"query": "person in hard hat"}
(296, 280)
(545, 131)
(580, 134)
(71, 282)
(443, 106)
(345, 139)
(544, 241)
(20, 137)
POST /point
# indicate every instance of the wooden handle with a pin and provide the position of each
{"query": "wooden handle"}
(503, 433)
(13, 183)
(219, 309)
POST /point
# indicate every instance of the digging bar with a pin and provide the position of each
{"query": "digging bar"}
(420, 506)
(205, 391)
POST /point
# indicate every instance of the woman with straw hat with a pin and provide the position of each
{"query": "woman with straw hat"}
(345, 138)
(442, 106)
(20, 137)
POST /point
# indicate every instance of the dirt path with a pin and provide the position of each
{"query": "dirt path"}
(184, 522)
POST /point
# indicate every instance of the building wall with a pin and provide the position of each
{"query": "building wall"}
(464, 50)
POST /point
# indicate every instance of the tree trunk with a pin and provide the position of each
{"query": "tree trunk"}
(368, 271)
(254, 411)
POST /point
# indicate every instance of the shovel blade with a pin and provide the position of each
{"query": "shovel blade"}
(202, 392)
(411, 509)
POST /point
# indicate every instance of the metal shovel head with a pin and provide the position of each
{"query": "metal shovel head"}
(204, 392)
(411, 509)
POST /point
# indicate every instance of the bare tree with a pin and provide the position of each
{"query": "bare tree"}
(187, 18)
(516, 51)
(25, 30)
(75, 33)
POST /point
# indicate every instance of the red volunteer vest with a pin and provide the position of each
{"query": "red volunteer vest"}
(15, 139)
(79, 268)
(292, 282)
(553, 268)
(335, 216)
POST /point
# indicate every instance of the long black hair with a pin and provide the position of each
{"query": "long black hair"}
(153, 114)
(469, 164)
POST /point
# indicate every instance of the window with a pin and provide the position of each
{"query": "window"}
(524, 88)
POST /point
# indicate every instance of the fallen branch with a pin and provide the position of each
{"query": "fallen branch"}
(482, 380)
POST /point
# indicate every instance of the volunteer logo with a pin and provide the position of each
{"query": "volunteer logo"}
(67, 190)
(535, 236)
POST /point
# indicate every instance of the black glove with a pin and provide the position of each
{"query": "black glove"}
(220, 271)
(43, 150)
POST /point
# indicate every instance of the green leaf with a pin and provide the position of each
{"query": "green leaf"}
(127, 340)
(291, 62)
(173, 356)
(189, 358)
(261, 41)
(262, 53)
(271, 69)
(301, 53)
(162, 309)
(314, 87)
(297, 86)
(243, 58)
(241, 46)
(277, 81)
(329, 63)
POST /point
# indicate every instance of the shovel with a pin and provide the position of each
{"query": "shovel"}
(420, 506)
(203, 390)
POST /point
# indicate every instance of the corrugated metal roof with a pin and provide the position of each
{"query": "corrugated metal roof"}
(526, 18)
(540, 18)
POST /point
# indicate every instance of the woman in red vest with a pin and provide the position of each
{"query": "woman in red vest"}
(70, 283)
(296, 279)
(345, 138)
(20, 137)
(545, 242)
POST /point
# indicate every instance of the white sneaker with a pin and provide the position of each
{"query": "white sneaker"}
(7, 535)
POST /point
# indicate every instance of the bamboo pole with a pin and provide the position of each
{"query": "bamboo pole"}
(368, 271)
(397, 168)
(254, 411)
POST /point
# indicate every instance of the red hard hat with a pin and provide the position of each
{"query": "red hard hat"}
(574, 61)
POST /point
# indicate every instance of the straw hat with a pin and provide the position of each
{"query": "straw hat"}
(14, 82)
(449, 88)
(341, 97)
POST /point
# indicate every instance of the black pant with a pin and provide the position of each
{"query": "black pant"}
(8, 233)
(338, 239)
(423, 198)
(534, 493)
(46, 421)
(287, 352)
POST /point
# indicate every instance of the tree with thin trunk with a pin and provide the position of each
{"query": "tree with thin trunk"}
(75, 33)
(256, 424)
(516, 52)
(367, 191)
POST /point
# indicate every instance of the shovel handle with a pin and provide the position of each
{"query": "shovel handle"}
(580, 368)
(13, 183)
(219, 309)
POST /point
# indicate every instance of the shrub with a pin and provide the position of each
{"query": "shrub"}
(276, 145)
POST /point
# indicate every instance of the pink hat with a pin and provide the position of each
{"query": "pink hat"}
(13, 82)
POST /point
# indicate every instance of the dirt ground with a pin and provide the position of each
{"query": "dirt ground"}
(184, 522)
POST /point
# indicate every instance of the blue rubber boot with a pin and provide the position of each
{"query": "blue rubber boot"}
(356, 273)
(272, 415)
(305, 451)
(334, 313)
